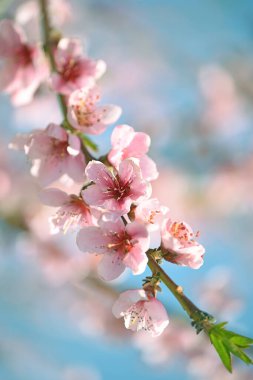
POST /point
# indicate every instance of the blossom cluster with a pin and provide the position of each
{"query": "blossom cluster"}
(114, 213)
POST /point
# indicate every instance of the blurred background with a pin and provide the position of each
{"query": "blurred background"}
(183, 72)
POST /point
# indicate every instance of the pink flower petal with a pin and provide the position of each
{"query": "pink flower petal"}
(126, 143)
(48, 171)
(139, 232)
(58, 84)
(11, 38)
(139, 145)
(121, 136)
(178, 239)
(127, 299)
(57, 132)
(111, 224)
(74, 147)
(53, 197)
(88, 67)
(93, 195)
(98, 172)
(141, 312)
(116, 192)
(148, 168)
(126, 170)
(68, 48)
(75, 166)
(136, 260)
(111, 267)
(19, 142)
(39, 145)
(83, 113)
(100, 68)
(108, 114)
(91, 240)
(159, 316)
(23, 95)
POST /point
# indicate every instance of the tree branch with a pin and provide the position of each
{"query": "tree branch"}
(198, 316)
(48, 46)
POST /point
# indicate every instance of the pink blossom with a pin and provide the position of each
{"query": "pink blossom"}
(151, 213)
(23, 65)
(53, 153)
(122, 246)
(141, 312)
(73, 70)
(127, 143)
(72, 212)
(115, 191)
(84, 115)
(179, 245)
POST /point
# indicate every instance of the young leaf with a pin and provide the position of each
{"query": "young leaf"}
(238, 352)
(222, 351)
(239, 340)
(227, 342)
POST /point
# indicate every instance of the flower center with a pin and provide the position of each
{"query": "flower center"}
(72, 213)
(152, 216)
(24, 55)
(119, 189)
(181, 232)
(121, 243)
(59, 148)
(138, 317)
(71, 70)
(84, 108)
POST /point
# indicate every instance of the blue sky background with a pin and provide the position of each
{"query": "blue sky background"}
(165, 44)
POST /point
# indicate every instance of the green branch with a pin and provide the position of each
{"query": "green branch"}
(224, 341)
(196, 315)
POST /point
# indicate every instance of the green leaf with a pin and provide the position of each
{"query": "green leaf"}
(228, 342)
(240, 354)
(222, 351)
(239, 340)
(220, 325)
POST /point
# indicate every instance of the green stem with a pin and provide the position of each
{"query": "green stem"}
(47, 41)
(88, 156)
(48, 44)
(199, 317)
